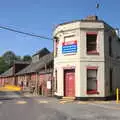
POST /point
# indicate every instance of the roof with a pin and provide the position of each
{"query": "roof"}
(10, 71)
(35, 67)
(47, 71)
(42, 52)
(87, 19)
(22, 62)
(7, 73)
(92, 19)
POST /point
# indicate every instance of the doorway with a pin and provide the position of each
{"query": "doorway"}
(69, 82)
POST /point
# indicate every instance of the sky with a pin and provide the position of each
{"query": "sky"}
(41, 16)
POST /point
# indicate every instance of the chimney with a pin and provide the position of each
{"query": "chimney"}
(92, 18)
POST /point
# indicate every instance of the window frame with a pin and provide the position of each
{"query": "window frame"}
(95, 91)
(92, 52)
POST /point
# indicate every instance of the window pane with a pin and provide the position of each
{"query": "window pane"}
(92, 73)
(91, 42)
(91, 85)
(91, 79)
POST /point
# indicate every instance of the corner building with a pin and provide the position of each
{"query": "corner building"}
(86, 59)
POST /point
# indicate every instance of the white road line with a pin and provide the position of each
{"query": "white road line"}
(81, 102)
(42, 101)
(1, 102)
(21, 102)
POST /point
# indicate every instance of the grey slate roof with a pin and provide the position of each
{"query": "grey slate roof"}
(42, 52)
(22, 62)
(7, 73)
(35, 67)
(47, 71)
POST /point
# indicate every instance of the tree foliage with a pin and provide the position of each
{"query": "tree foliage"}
(27, 58)
(9, 57)
(18, 58)
(3, 65)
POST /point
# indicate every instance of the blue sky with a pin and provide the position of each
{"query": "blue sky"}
(41, 16)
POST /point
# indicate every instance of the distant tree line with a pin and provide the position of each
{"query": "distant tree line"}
(8, 58)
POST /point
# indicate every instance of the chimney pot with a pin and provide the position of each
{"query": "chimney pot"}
(92, 18)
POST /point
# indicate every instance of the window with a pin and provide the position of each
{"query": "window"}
(91, 43)
(92, 80)
(110, 46)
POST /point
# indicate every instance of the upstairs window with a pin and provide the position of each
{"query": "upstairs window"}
(91, 43)
(92, 80)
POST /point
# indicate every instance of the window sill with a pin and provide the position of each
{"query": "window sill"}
(93, 53)
(92, 92)
(68, 54)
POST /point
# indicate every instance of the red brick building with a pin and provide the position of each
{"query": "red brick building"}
(9, 76)
(39, 75)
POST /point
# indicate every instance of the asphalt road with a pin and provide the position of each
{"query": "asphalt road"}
(43, 108)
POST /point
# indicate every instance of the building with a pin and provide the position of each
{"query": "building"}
(86, 59)
(39, 73)
(9, 76)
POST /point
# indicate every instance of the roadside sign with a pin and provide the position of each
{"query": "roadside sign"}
(48, 84)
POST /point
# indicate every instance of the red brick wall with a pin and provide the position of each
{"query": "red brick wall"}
(43, 78)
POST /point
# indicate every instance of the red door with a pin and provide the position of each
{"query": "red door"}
(69, 82)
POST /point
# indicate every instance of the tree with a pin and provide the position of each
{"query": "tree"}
(9, 57)
(18, 58)
(27, 58)
(3, 65)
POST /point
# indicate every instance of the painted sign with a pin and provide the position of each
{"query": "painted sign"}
(48, 84)
(69, 47)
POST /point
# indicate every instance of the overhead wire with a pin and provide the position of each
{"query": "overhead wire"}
(25, 33)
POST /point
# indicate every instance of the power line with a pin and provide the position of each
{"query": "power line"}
(25, 33)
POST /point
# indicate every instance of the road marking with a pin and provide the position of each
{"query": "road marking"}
(66, 101)
(21, 102)
(81, 102)
(96, 102)
(102, 102)
(28, 95)
(42, 101)
(1, 102)
(62, 102)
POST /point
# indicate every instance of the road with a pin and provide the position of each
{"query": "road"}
(44, 108)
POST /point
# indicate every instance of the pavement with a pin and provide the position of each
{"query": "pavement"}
(47, 108)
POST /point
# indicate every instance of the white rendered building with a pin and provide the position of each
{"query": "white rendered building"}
(86, 59)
